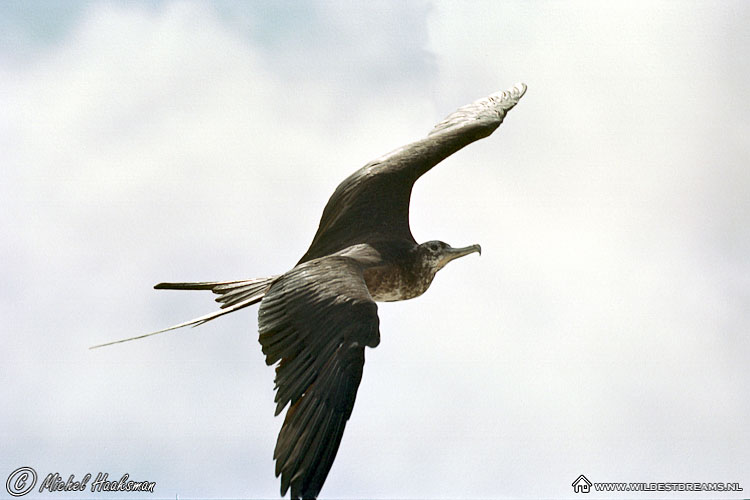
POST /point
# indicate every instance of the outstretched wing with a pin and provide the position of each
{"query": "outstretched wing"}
(373, 202)
(316, 321)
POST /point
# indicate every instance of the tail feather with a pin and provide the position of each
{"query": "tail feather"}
(198, 285)
(234, 294)
(229, 292)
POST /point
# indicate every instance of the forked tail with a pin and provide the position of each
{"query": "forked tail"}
(234, 295)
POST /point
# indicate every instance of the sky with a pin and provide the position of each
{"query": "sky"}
(603, 331)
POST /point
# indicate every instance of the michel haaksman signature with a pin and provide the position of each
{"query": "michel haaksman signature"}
(23, 480)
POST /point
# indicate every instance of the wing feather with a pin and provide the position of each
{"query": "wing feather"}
(373, 202)
(315, 321)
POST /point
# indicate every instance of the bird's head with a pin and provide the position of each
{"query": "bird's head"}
(436, 254)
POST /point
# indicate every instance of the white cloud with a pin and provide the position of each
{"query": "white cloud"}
(616, 190)
(602, 331)
(148, 145)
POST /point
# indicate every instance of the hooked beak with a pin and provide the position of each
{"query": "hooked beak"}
(454, 253)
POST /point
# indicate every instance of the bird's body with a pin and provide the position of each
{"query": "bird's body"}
(316, 319)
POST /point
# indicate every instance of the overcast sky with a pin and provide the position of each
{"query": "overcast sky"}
(604, 330)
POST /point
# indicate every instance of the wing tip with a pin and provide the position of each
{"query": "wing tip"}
(494, 107)
(510, 97)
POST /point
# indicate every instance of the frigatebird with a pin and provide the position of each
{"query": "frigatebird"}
(316, 319)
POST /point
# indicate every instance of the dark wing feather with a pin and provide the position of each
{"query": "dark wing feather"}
(316, 321)
(373, 202)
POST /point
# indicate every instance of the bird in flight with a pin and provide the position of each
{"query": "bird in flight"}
(315, 320)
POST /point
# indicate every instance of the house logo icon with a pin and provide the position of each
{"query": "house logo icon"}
(581, 485)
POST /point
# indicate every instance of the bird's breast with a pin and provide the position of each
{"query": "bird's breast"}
(392, 283)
